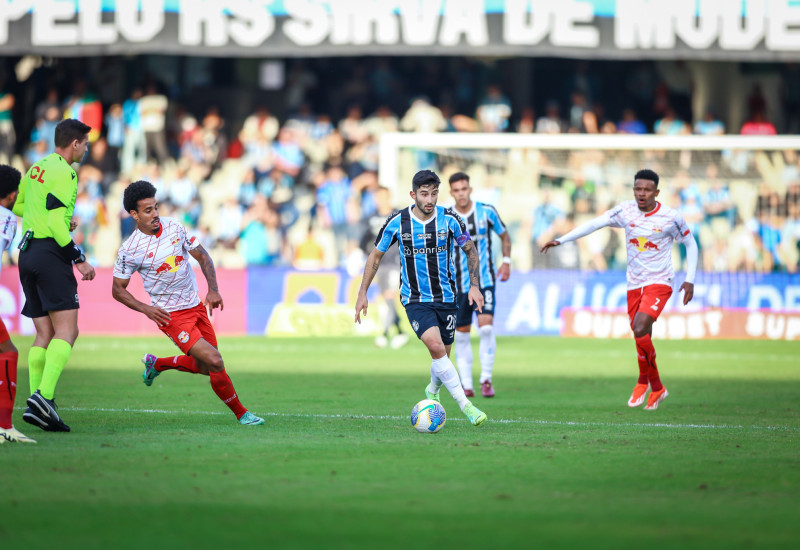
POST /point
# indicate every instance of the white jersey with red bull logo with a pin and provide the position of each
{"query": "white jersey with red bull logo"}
(163, 262)
(648, 239)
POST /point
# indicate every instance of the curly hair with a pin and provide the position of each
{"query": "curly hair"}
(646, 175)
(135, 192)
(9, 180)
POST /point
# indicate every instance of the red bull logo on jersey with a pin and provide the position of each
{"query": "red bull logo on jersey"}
(642, 244)
(170, 264)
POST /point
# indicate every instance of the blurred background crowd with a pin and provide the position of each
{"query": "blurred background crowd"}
(288, 176)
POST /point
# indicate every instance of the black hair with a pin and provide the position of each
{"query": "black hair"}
(69, 130)
(425, 177)
(646, 174)
(135, 192)
(9, 180)
(458, 176)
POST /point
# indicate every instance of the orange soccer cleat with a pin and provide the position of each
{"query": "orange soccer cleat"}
(655, 398)
(637, 397)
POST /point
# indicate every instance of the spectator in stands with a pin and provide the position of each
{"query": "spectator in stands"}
(423, 117)
(115, 134)
(333, 198)
(286, 153)
(309, 254)
(254, 237)
(50, 100)
(551, 122)
(134, 149)
(630, 124)
(353, 127)
(577, 109)
(381, 121)
(229, 223)
(153, 111)
(8, 138)
(544, 221)
(257, 133)
(493, 110)
(709, 125)
(670, 125)
(758, 125)
(717, 202)
(527, 121)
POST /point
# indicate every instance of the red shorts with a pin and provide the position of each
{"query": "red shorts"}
(649, 299)
(4, 336)
(187, 326)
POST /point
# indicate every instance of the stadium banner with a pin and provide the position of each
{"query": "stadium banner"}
(741, 30)
(284, 302)
(101, 314)
(709, 324)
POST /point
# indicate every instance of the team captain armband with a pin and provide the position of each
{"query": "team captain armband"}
(462, 239)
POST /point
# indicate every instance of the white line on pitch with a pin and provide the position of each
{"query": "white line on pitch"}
(492, 420)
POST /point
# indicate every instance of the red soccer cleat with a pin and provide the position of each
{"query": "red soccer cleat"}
(655, 398)
(469, 392)
(486, 389)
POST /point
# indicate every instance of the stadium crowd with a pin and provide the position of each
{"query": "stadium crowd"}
(296, 190)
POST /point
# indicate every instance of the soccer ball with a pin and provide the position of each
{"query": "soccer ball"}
(428, 416)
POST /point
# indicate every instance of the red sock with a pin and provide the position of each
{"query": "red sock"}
(644, 365)
(8, 386)
(183, 363)
(223, 387)
(646, 345)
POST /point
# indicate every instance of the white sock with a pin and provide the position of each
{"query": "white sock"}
(464, 358)
(444, 370)
(486, 352)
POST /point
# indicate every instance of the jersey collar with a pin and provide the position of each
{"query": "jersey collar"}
(654, 210)
(160, 230)
(433, 217)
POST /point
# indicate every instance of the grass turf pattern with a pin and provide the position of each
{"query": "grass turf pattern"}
(561, 463)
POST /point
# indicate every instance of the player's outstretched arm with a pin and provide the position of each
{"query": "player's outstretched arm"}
(581, 231)
(370, 269)
(120, 292)
(213, 298)
(474, 266)
(505, 269)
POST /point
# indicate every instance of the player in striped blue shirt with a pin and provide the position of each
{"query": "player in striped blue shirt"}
(481, 219)
(427, 236)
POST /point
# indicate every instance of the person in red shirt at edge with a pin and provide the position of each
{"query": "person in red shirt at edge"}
(650, 229)
(159, 250)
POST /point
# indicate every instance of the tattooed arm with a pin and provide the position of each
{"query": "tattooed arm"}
(213, 298)
(474, 265)
(370, 269)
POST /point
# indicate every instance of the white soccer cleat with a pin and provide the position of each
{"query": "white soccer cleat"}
(13, 435)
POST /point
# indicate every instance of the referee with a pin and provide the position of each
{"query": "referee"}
(46, 201)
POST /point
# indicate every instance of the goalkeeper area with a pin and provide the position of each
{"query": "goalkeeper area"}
(739, 194)
(562, 461)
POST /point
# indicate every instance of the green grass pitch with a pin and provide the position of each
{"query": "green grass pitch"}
(562, 462)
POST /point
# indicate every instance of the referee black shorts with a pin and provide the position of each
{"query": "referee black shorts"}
(47, 279)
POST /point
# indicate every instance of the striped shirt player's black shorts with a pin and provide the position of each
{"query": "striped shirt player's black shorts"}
(47, 279)
(424, 315)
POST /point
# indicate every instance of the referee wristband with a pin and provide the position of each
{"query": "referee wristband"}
(506, 260)
(71, 252)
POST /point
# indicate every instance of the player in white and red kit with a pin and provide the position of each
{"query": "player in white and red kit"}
(159, 250)
(9, 189)
(650, 228)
